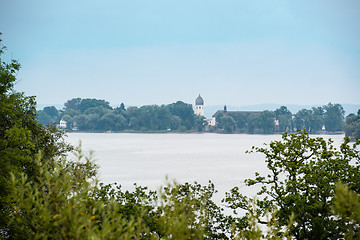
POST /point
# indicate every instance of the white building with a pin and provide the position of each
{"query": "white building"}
(62, 124)
(199, 110)
(199, 106)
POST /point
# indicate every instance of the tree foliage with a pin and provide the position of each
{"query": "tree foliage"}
(199, 123)
(80, 114)
(302, 119)
(303, 200)
(267, 121)
(65, 204)
(333, 117)
(347, 207)
(227, 123)
(303, 173)
(352, 125)
(284, 117)
(185, 112)
(97, 115)
(330, 117)
(21, 136)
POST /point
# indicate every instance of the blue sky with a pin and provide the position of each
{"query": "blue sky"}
(157, 52)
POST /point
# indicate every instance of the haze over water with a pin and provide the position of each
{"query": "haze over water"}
(146, 159)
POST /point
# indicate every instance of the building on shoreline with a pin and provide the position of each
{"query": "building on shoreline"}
(62, 124)
(199, 106)
(226, 112)
(199, 110)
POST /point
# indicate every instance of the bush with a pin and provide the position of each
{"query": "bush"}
(303, 173)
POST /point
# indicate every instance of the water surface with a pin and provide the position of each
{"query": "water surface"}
(146, 159)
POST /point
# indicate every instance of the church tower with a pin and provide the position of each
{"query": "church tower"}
(199, 106)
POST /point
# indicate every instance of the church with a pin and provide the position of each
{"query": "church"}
(199, 106)
(199, 110)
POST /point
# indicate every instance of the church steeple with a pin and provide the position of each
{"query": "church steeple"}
(199, 100)
(199, 106)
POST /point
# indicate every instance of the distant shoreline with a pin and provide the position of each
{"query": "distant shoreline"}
(194, 132)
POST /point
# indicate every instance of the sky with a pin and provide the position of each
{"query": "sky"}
(142, 52)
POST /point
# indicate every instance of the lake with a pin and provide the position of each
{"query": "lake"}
(146, 159)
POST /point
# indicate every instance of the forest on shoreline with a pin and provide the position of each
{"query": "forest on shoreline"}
(96, 115)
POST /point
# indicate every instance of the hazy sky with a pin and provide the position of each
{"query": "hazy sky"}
(160, 51)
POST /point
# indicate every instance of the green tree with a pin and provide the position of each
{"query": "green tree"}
(64, 204)
(112, 121)
(227, 123)
(71, 112)
(154, 117)
(239, 118)
(188, 212)
(284, 116)
(98, 110)
(69, 206)
(133, 114)
(48, 115)
(334, 117)
(267, 121)
(303, 119)
(73, 104)
(316, 119)
(70, 121)
(121, 109)
(199, 123)
(134, 123)
(44, 119)
(92, 122)
(163, 118)
(88, 103)
(175, 122)
(311, 120)
(21, 137)
(303, 172)
(51, 111)
(80, 122)
(352, 125)
(185, 112)
(347, 208)
(253, 122)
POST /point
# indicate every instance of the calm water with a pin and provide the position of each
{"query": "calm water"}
(147, 159)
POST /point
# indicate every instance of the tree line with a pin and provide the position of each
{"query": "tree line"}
(328, 118)
(352, 125)
(98, 115)
(311, 191)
